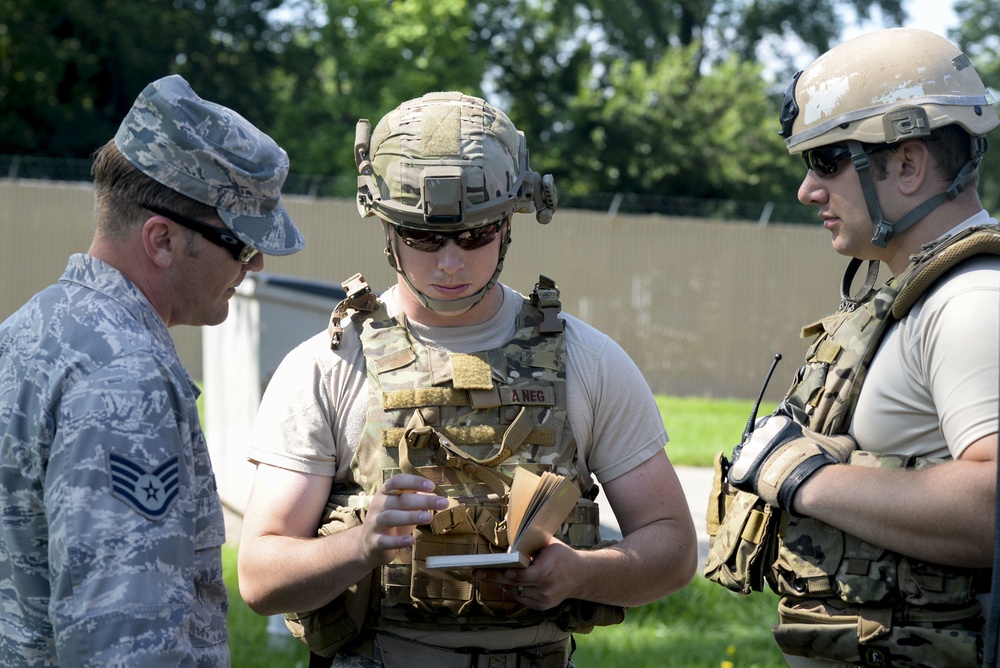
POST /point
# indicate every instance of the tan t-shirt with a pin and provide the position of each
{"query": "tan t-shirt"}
(933, 386)
(315, 405)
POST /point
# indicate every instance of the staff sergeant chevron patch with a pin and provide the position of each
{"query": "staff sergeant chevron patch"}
(149, 493)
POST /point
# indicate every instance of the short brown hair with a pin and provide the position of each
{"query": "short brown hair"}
(951, 148)
(121, 190)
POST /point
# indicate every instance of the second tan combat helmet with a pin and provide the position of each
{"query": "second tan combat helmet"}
(882, 88)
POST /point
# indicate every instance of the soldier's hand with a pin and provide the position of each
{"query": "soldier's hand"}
(781, 455)
(401, 503)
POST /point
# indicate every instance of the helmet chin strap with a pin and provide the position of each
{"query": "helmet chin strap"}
(887, 229)
(443, 306)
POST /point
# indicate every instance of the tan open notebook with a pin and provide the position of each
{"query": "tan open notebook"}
(538, 505)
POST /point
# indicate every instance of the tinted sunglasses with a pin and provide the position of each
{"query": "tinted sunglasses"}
(824, 160)
(241, 251)
(424, 240)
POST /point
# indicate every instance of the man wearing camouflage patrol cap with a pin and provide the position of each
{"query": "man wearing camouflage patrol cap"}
(113, 527)
(884, 451)
(393, 437)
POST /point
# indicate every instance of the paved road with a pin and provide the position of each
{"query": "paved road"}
(697, 484)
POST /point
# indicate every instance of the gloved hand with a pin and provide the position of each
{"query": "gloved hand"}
(780, 455)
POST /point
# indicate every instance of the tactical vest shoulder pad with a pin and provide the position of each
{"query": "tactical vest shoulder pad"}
(545, 297)
(934, 262)
(360, 299)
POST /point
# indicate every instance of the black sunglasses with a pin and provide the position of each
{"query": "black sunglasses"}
(824, 160)
(241, 251)
(424, 240)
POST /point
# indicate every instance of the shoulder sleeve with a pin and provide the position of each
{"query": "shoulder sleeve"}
(956, 343)
(135, 522)
(612, 412)
(313, 408)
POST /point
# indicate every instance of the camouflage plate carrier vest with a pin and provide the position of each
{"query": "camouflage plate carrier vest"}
(844, 599)
(466, 422)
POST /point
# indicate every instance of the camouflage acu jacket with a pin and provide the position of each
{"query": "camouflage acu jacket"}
(112, 527)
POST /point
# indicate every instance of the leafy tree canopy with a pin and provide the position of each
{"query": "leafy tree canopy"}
(643, 97)
(70, 69)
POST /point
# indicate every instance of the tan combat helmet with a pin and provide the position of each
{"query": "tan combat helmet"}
(882, 88)
(447, 162)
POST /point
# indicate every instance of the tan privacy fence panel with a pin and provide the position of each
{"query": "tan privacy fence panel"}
(701, 306)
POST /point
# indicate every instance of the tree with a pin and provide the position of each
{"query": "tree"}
(647, 98)
(360, 59)
(669, 130)
(655, 98)
(70, 69)
(979, 36)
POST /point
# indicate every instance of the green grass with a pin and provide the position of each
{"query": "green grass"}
(250, 644)
(698, 428)
(702, 626)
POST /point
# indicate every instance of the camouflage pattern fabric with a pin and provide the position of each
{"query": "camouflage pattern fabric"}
(212, 155)
(904, 610)
(503, 408)
(110, 541)
(845, 599)
(826, 387)
(876, 637)
(357, 661)
(447, 130)
(352, 660)
(475, 409)
(742, 535)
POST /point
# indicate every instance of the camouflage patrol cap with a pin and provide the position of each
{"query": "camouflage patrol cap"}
(215, 156)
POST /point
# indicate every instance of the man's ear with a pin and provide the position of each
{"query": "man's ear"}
(160, 241)
(915, 166)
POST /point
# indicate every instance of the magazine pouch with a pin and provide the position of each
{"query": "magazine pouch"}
(875, 637)
(742, 535)
(816, 559)
(327, 629)
(457, 593)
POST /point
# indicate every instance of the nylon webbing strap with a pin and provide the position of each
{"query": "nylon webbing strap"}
(416, 437)
(419, 435)
(396, 652)
(359, 298)
(457, 520)
(513, 438)
(850, 302)
(964, 245)
(420, 397)
(753, 531)
(474, 435)
(874, 623)
(457, 592)
(498, 484)
(818, 585)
